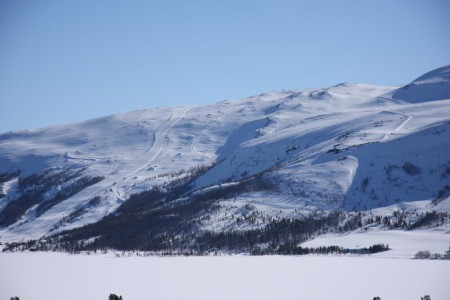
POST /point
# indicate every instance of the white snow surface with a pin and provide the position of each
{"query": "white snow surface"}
(434, 85)
(342, 147)
(55, 276)
(403, 244)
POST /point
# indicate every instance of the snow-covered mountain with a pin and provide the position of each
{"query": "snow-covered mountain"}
(349, 147)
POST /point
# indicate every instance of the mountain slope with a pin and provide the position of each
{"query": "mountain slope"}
(434, 85)
(348, 147)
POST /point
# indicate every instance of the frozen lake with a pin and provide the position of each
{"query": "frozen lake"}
(56, 276)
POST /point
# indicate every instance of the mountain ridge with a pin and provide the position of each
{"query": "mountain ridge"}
(350, 147)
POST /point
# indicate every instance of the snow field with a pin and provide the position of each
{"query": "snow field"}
(403, 244)
(55, 276)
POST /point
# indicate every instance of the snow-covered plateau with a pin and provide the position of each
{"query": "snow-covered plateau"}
(237, 175)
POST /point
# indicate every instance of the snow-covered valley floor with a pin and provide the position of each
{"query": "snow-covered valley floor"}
(49, 276)
(403, 243)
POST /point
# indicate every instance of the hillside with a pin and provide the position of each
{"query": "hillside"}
(239, 165)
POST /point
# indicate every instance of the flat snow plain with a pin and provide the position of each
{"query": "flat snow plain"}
(56, 276)
(391, 275)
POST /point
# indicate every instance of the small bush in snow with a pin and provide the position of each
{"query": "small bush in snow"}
(423, 255)
(442, 194)
(248, 206)
(364, 184)
(411, 169)
(436, 256)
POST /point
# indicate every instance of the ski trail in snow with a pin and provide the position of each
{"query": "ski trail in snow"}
(112, 180)
(158, 144)
(116, 193)
(398, 128)
(315, 150)
(200, 132)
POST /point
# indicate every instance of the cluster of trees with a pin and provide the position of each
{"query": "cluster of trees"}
(173, 235)
(443, 193)
(166, 219)
(411, 169)
(270, 237)
(67, 192)
(33, 189)
(429, 218)
(289, 249)
(4, 177)
(398, 220)
(77, 213)
(157, 220)
(425, 254)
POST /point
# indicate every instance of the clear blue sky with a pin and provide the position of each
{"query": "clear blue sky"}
(67, 61)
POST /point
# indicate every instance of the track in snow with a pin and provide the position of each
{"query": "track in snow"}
(201, 132)
(158, 144)
(398, 128)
